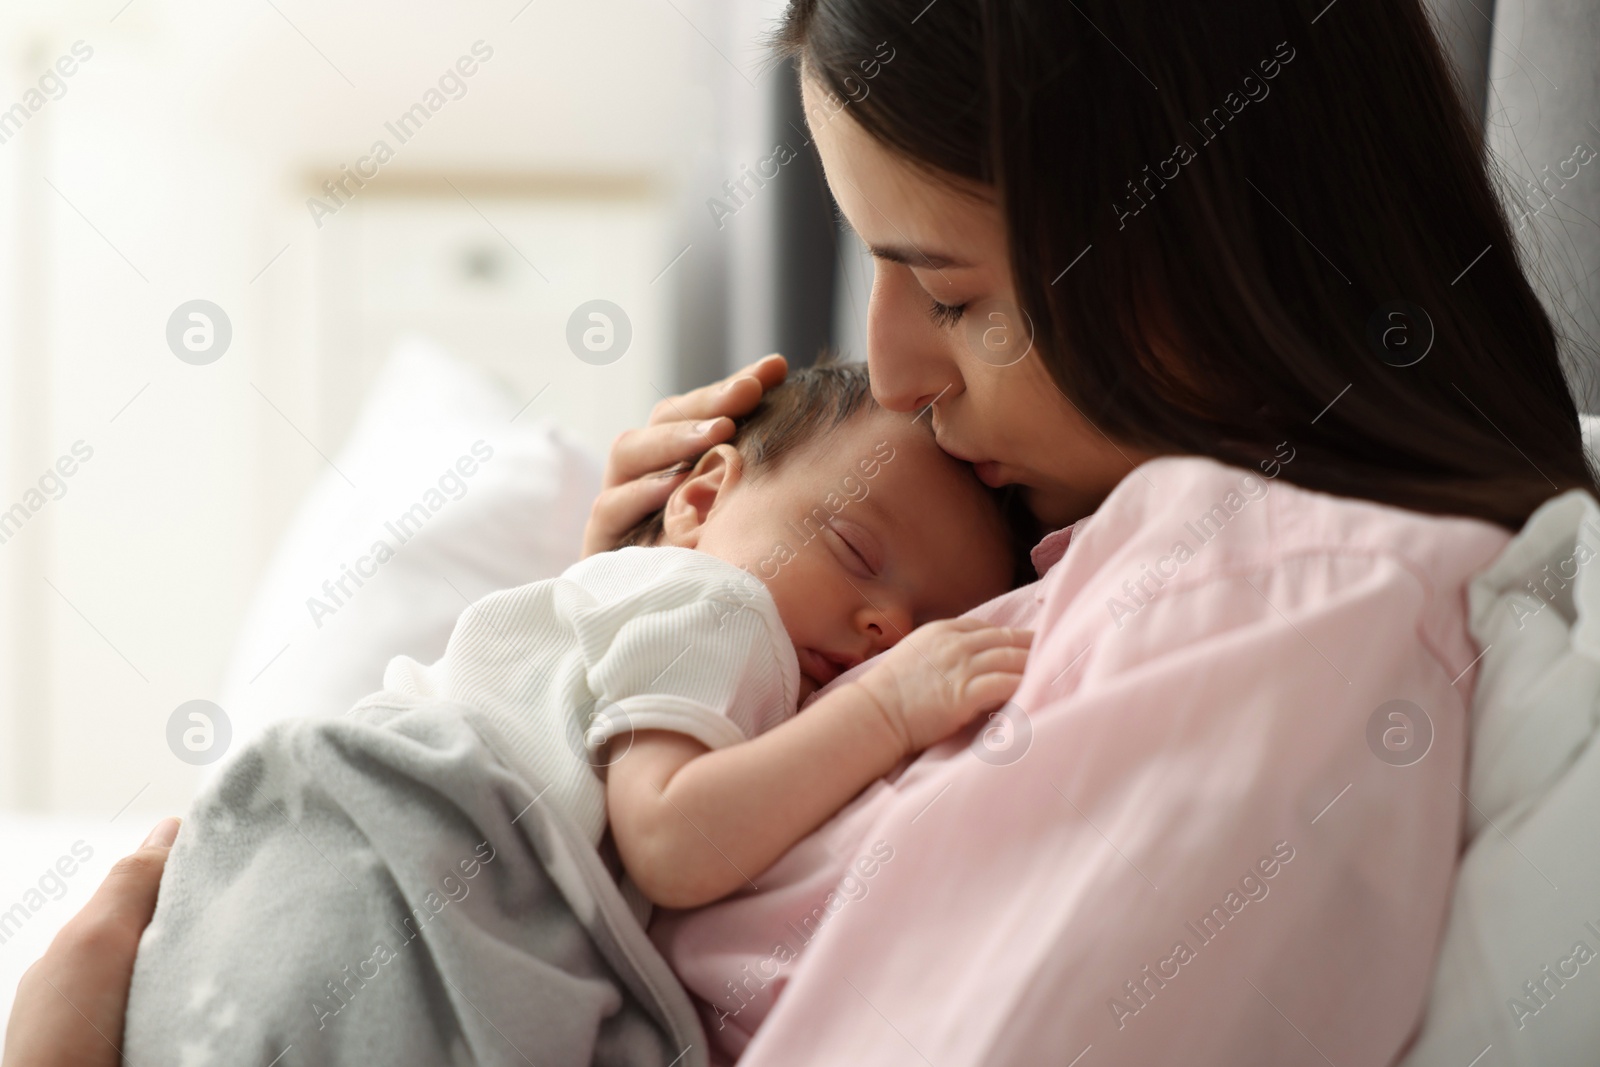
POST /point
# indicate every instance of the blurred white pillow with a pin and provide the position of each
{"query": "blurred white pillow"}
(452, 500)
(1527, 892)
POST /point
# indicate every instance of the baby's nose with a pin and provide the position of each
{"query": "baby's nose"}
(885, 624)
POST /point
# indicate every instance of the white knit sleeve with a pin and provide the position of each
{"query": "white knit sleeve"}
(705, 656)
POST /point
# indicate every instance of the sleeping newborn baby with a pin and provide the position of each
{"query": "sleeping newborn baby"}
(459, 869)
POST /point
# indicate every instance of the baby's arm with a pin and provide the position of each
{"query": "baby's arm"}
(693, 825)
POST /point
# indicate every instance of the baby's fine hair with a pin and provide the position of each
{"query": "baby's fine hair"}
(811, 402)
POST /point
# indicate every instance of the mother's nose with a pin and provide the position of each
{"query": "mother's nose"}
(907, 356)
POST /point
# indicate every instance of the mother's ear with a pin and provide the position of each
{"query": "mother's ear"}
(692, 503)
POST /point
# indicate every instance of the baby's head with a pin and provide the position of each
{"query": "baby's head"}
(860, 526)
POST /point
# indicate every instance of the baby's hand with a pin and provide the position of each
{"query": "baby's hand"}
(943, 675)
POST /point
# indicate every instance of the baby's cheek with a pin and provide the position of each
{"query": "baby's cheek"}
(808, 592)
(797, 588)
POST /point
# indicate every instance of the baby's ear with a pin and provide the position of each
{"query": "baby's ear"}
(695, 498)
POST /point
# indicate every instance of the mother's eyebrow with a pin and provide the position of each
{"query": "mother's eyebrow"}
(913, 257)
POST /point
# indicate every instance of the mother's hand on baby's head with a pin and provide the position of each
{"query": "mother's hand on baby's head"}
(70, 1005)
(680, 428)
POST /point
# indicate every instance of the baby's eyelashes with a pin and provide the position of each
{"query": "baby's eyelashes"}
(859, 545)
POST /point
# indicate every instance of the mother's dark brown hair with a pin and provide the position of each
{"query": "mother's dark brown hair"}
(1222, 295)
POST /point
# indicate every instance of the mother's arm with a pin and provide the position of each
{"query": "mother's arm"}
(70, 1004)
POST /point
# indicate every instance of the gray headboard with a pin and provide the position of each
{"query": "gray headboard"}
(1531, 69)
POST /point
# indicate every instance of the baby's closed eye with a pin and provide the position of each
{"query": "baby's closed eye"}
(857, 546)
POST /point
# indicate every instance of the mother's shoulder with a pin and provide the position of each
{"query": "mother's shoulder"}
(1208, 518)
(1187, 550)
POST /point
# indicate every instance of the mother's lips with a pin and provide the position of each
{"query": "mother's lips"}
(988, 473)
(987, 470)
(954, 453)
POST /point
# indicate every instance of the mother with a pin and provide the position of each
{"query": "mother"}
(1282, 350)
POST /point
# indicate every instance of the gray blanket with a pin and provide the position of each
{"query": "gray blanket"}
(381, 889)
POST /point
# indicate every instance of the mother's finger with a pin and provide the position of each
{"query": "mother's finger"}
(617, 510)
(736, 394)
(681, 428)
(127, 898)
(650, 449)
(70, 1005)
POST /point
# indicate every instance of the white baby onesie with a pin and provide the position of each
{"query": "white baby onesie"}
(639, 638)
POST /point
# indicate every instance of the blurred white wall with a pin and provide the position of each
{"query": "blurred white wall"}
(174, 164)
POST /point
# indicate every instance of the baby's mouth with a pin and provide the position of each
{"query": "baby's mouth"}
(819, 667)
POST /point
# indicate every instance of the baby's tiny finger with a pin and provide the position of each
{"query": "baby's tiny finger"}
(992, 690)
(996, 637)
(999, 658)
(965, 624)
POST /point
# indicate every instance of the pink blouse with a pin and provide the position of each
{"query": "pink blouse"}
(1218, 823)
